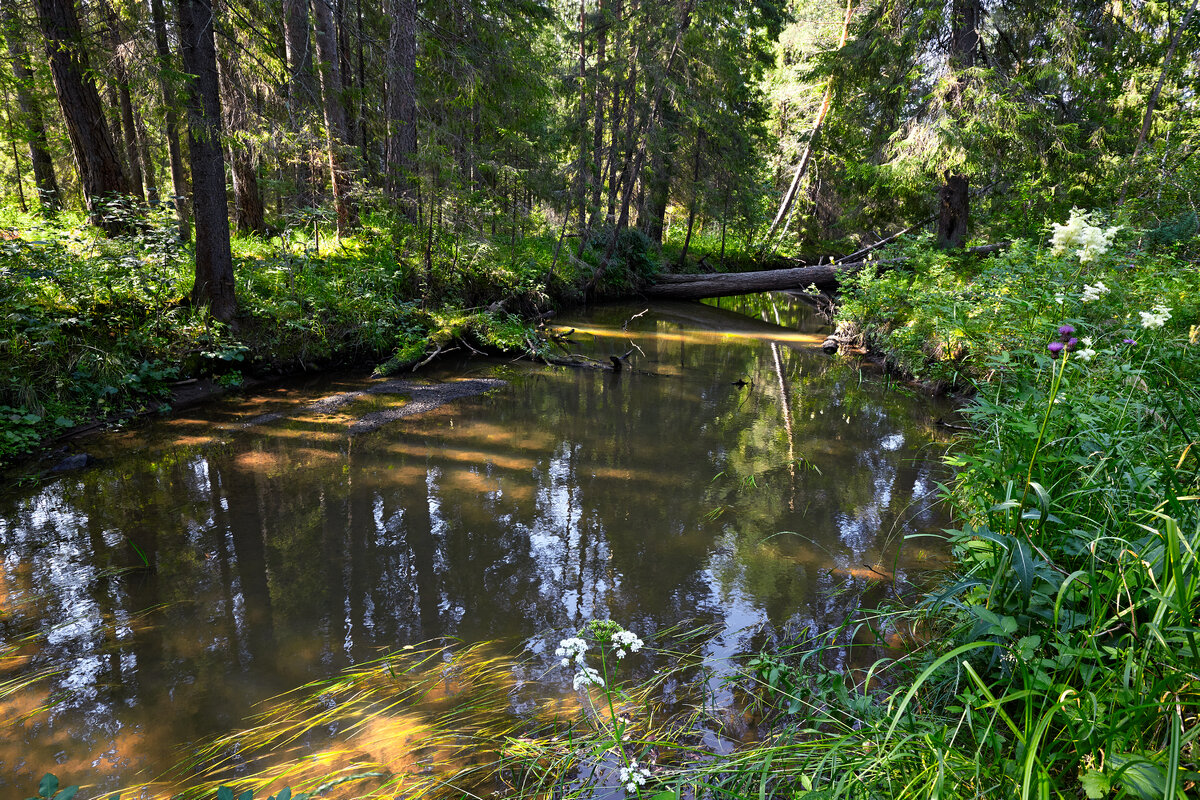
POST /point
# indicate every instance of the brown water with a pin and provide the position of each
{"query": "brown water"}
(735, 477)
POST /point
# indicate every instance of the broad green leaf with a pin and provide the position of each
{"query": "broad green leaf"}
(48, 786)
(1095, 784)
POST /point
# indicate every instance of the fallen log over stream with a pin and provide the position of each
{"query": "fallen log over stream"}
(824, 277)
(698, 287)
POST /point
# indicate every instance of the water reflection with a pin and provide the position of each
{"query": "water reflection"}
(735, 476)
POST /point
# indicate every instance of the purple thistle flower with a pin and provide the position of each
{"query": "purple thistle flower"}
(1055, 348)
(1071, 343)
(1065, 331)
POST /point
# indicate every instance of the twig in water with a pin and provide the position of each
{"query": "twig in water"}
(625, 325)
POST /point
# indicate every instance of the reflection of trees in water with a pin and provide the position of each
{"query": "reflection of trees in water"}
(572, 494)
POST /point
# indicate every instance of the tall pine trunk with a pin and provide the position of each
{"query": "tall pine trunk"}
(402, 106)
(337, 140)
(100, 172)
(248, 213)
(954, 195)
(214, 260)
(32, 124)
(302, 93)
(179, 185)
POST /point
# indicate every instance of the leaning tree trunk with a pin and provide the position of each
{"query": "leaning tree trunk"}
(336, 138)
(402, 106)
(32, 123)
(100, 172)
(214, 260)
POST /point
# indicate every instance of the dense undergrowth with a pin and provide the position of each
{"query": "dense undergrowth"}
(94, 327)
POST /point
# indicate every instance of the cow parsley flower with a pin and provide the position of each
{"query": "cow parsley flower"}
(1091, 293)
(587, 676)
(634, 776)
(626, 639)
(1156, 318)
(569, 649)
(1087, 241)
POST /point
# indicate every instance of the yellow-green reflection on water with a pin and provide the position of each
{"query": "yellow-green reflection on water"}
(734, 477)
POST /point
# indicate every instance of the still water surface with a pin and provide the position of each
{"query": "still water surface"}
(735, 477)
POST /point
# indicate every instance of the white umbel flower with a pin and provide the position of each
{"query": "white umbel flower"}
(623, 640)
(1079, 235)
(633, 777)
(569, 649)
(1156, 318)
(1091, 293)
(587, 676)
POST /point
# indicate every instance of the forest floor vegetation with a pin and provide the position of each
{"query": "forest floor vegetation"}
(98, 328)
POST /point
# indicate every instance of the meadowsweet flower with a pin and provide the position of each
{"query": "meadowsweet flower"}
(1156, 318)
(623, 640)
(569, 649)
(1091, 293)
(587, 676)
(1055, 348)
(1059, 297)
(1086, 354)
(1087, 241)
(633, 776)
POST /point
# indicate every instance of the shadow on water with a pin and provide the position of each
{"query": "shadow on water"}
(734, 478)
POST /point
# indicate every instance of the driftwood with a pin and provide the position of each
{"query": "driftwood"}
(825, 278)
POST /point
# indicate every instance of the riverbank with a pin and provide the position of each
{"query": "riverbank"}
(1061, 659)
(95, 330)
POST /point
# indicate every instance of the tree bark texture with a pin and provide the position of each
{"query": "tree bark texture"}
(337, 140)
(402, 106)
(214, 260)
(248, 213)
(179, 183)
(953, 207)
(302, 92)
(32, 123)
(100, 172)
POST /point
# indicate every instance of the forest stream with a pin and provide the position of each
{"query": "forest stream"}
(730, 475)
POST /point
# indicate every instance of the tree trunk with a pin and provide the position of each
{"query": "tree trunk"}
(100, 172)
(302, 93)
(132, 156)
(178, 176)
(336, 139)
(953, 207)
(248, 213)
(598, 118)
(826, 101)
(32, 124)
(402, 106)
(148, 176)
(954, 197)
(214, 285)
(684, 22)
(687, 239)
(658, 182)
(1156, 91)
